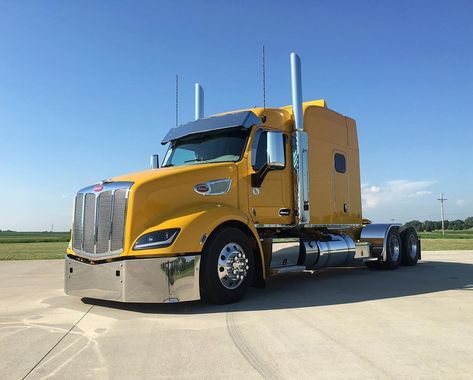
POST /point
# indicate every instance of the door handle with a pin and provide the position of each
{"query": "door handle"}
(284, 211)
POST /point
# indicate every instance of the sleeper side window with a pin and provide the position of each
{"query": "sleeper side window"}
(340, 163)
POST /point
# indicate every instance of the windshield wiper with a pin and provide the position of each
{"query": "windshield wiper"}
(195, 160)
(167, 165)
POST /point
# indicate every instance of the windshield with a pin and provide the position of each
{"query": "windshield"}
(222, 146)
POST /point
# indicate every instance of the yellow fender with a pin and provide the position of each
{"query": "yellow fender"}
(196, 225)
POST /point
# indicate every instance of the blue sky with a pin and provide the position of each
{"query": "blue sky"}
(87, 91)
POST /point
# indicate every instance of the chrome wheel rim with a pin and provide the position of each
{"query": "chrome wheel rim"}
(412, 246)
(232, 266)
(394, 248)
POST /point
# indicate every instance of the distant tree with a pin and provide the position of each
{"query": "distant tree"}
(468, 222)
(416, 224)
(429, 225)
(457, 225)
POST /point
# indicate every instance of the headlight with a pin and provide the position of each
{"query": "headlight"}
(157, 239)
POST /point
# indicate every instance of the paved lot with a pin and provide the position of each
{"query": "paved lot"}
(344, 323)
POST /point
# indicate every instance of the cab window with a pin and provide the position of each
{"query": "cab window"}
(258, 149)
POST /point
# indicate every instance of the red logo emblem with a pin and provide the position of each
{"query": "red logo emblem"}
(202, 189)
(98, 187)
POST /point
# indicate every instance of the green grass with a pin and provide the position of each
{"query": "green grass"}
(461, 234)
(32, 251)
(33, 237)
(446, 244)
(452, 240)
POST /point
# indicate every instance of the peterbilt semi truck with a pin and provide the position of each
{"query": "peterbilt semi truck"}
(240, 197)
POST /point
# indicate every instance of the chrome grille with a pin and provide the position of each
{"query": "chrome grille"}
(99, 219)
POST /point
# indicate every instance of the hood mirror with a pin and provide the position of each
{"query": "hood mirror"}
(154, 162)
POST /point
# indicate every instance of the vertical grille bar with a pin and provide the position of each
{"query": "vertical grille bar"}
(77, 226)
(89, 223)
(118, 223)
(104, 221)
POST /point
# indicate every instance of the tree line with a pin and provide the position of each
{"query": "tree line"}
(430, 225)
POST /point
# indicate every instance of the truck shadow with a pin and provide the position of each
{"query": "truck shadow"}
(332, 286)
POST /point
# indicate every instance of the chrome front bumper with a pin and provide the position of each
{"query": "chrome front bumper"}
(167, 279)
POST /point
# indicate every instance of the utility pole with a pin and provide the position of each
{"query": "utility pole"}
(442, 199)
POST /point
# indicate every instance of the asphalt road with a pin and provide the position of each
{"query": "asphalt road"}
(344, 323)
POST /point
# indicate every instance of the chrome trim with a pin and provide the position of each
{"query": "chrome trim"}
(112, 187)
(288, 269)
(107, 186)
(284, 253)
(161, 280)
(274, 226)
(154, 161)
(334, 227)
(375, 235)
(209, 184)
(199, 101)
(362, 250)
(301, 176)
(276, 150)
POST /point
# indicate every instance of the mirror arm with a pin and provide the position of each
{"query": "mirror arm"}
(258, 177)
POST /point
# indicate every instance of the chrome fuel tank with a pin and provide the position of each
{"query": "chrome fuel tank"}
(334, 250)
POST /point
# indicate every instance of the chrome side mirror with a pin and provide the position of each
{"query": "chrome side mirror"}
(154, 162)
(275, 157)
(275, 150)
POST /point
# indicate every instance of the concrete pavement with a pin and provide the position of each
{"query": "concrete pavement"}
(345, 323)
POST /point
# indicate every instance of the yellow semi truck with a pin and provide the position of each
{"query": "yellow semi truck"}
(241, 196)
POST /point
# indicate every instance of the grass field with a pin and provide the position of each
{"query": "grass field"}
(32, 251)
(33, 237)
(452, 240)
(462, 234)
(52, 245)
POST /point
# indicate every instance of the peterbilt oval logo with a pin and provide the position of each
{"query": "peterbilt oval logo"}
(98, 187)
(202, 188)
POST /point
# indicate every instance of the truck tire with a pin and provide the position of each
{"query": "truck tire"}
(227, 267)
(410, 247)
(393, 249)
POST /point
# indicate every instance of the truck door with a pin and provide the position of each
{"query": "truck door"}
(272, 202)
(340, 186)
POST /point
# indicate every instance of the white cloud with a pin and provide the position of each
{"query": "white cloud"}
(394, 192)
(461, 202)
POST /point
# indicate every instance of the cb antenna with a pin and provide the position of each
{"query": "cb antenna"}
(264, 79)
(177, 100)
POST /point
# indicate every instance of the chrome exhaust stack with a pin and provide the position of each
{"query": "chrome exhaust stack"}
(199, 101)
(299, 146)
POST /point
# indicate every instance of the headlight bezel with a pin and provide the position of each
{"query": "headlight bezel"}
(156, 239)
